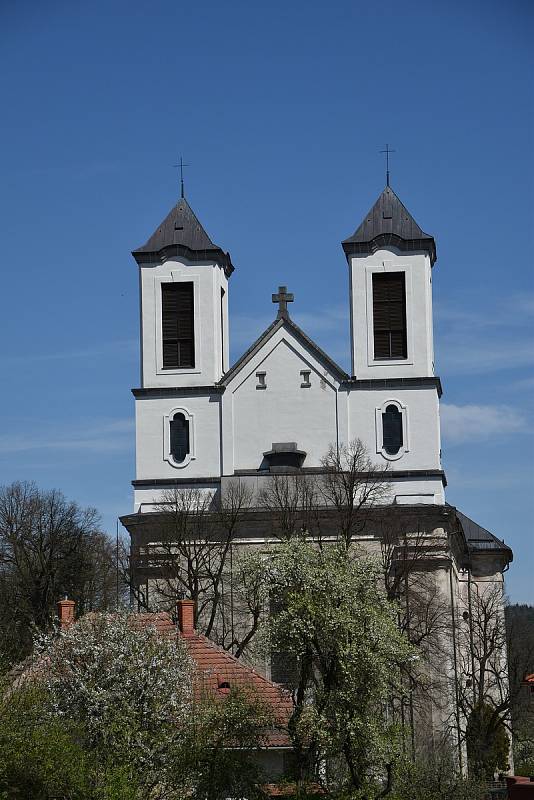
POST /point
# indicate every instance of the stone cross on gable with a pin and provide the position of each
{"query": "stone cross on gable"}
(283, 298)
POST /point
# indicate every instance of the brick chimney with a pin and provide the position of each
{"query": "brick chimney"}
(65, 610)
(186, 616)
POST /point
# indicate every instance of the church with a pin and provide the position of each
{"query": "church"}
(203, 423)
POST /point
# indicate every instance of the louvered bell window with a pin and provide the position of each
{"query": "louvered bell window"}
(389, 315)
(179, 438)
(177, 315)
(392, 439)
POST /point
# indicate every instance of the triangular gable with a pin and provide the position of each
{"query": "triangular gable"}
(299, 335)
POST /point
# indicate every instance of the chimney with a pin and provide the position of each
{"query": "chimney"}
(65, 610)
(186, 616)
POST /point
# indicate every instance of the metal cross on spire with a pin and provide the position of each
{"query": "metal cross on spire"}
(387, 151)
(283, 298)
(181, 166)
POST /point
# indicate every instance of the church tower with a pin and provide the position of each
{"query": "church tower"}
(390, 264)
(184, 303)
(184, 353)
(393, 391)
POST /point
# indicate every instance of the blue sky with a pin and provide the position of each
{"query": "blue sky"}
(281, 109)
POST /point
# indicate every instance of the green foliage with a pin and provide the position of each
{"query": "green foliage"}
(105, 712)
(127, 688)
(44, 757)
(487, 742)
(39, 758)
(523, 755)
(219, 754)
(434, 779)
(520, 629)
(334, 619)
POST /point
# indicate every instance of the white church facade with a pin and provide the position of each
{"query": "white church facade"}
(202, 423)
(285, 389)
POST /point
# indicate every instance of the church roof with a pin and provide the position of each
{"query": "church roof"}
(280, 322)
(181, 234)
(389, 223)
(478, 538)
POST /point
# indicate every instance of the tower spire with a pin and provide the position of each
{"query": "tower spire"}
(387, 151)
(181, 166)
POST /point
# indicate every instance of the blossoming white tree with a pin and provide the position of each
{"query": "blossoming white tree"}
(332, 617)
(128, 687)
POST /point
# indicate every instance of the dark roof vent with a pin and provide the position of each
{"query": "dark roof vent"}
(284, 455)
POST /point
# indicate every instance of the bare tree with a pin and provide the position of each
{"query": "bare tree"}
(192, 555)
(336, 501)
(292, 502)
(353, 486)
(407, 550)
(520, 635)
(49, 547)
(488, 684)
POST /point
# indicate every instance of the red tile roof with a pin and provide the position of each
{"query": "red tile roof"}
(218, 671)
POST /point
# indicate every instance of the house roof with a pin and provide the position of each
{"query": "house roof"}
(181, 234)
(478, 539)
(216, 666)
(389, 223)
(284, 322)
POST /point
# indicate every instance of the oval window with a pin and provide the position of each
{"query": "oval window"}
(179, 438)
(392, 430)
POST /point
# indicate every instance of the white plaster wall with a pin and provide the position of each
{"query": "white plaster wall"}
(151, 419)
(422, 429)
(417, 491)
(283, 412)
(401, 491)
(416, 266)
(208, 279)
(148, 499)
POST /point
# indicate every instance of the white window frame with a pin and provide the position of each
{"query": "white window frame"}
(379, 430)
(167, 455)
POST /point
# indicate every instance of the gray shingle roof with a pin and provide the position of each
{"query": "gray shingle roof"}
(181, 233)
(478, 538)
(389, 223)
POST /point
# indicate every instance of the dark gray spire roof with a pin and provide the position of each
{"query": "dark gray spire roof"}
(181, 234)
(478, 538)
(389, 223)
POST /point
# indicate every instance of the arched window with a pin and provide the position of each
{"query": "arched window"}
(392, 438)
(179, 437)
